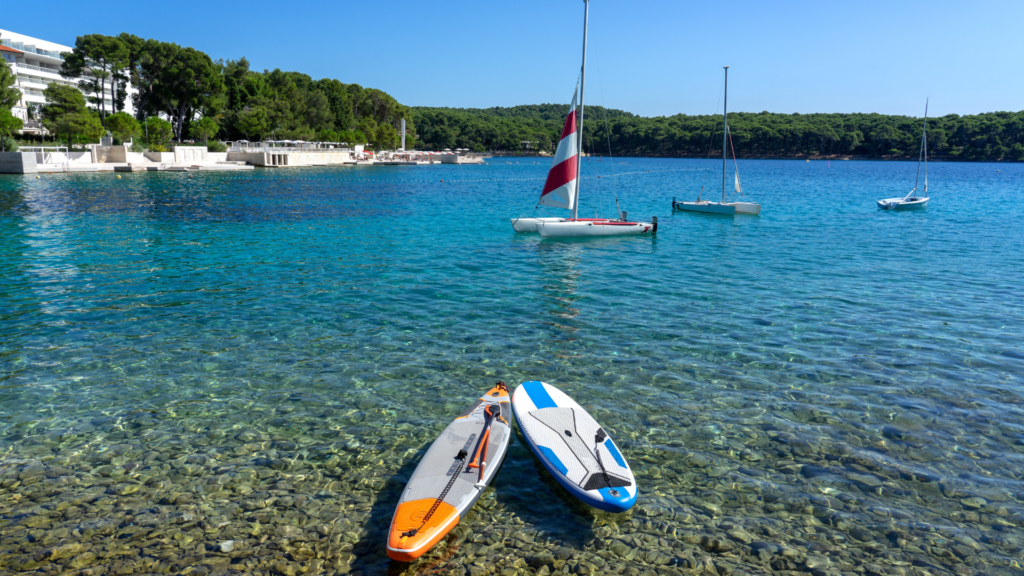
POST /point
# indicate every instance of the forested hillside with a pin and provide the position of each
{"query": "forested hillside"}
(203, 98)
(293, 106)
(995, 136)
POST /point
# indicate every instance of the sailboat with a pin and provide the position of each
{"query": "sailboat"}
(911, 200)
(722, 207)
(562, 187)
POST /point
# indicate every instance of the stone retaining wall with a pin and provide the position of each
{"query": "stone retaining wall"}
(18, 163)
(291, 158)
(160, 156)
(104, 154)
(252, 158)
(318, 157)
(186, 154)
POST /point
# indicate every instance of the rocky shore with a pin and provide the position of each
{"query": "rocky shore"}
(281, 494)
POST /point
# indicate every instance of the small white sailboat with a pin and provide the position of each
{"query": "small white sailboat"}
(912, 201)
(562, 187)
(723, 207)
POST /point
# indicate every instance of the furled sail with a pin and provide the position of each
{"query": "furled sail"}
(739, 188)
(560, 188)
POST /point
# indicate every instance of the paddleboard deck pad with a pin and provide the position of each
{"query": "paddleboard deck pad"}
(573, 447)
(452, 475)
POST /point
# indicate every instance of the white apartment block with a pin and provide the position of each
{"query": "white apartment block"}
(36, 64)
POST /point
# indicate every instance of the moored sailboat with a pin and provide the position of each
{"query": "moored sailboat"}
(911, 200)
(562, 187)
(723, 207)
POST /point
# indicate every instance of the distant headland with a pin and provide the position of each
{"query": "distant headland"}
(994, 136)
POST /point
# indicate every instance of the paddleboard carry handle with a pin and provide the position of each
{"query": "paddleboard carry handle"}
(492, 411)
(501, 386)
(598, 439)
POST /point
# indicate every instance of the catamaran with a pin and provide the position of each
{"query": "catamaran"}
(911, 200)
(562, 187)
(722, 207)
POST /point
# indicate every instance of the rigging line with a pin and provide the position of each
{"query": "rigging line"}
(924, 138)
(608, 134)
(711, 136)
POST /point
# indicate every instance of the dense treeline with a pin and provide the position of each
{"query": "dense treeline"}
(293, 106)
(202, 98)
(536, 126)
(996, 135)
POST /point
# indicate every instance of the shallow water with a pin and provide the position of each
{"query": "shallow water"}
(237, 372)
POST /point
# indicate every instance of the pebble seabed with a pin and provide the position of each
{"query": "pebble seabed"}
(276, 493)
(208, 403)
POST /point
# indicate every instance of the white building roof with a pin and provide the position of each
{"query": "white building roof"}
(34, 42)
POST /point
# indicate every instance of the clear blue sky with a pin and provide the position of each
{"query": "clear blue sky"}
(658, 57)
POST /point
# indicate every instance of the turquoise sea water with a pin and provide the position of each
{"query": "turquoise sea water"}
(261, 358)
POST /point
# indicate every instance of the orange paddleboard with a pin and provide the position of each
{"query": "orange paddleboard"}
(452, 475)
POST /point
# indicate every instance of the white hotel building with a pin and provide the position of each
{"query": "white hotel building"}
(36, 64)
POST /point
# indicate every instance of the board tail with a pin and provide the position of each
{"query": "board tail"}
(410, 536)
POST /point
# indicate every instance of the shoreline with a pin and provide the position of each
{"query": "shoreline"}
(844, 157)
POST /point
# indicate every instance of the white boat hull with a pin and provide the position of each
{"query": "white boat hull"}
(752, 208)
(585, 229)
(530, 225)
(901, 204)
(705, 207)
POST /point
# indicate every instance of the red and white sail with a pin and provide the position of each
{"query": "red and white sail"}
(560, 187)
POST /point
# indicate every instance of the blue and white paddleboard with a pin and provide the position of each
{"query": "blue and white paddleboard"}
(573, 447)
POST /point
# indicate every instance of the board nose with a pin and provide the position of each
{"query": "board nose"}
(498, 391)
(617, 499)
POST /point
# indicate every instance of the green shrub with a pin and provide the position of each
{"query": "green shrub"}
(123, 127)
(157, 148)
(159, 132)
(328, 136)
(216, 146)
(137, 146)
(8, 144)
(203, 129)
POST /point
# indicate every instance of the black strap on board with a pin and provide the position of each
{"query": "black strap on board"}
(461, 456)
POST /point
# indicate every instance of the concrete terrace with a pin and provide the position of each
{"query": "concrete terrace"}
(194, 158)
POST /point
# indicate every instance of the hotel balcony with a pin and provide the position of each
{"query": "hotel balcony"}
(54, 71)
(37, 83)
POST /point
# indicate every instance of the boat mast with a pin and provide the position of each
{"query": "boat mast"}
(922, 155)
(725, 128)
(579, 128)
